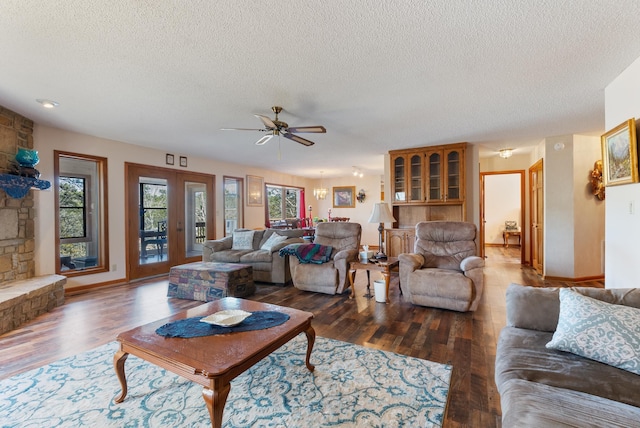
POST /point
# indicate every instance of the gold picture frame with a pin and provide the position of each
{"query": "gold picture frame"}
(255, 191)
(619, 154)
(344, 197)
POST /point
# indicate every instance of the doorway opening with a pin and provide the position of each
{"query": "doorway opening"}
(169, 216)
(503, 215)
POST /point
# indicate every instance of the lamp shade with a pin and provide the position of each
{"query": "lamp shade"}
(381, 214)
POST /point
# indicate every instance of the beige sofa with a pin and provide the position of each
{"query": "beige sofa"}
(267, 265)
(542, 387)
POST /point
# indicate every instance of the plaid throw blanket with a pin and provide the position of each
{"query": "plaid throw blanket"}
(308, 253)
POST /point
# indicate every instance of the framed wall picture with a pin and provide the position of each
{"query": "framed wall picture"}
(183, 161)
(619, 154)
(169, 159)
(255, 191)
(344, 197)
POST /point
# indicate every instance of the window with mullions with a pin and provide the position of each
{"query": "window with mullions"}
(284, 202)
(73, 208)
(153, 207)
(81, 220)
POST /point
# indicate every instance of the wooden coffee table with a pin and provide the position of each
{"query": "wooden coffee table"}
(212, 361)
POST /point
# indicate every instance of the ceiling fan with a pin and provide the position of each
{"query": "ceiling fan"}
(277, 127)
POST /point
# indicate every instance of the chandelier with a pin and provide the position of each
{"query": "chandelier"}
(320, 192)
(506, 153)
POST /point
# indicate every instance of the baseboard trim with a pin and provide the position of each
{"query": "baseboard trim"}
(581, 279)
(84, 288)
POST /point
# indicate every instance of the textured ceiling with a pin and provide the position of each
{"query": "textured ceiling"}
(378, 74)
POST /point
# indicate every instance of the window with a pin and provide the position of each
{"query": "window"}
(284, 202)
(81, 224)
(233, 197)
(73, 209)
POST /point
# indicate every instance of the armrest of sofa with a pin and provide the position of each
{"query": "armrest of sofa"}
(408, 262)
(348, 255)
(471, 263)
(473, 268)
(533, 308)
(214, 245)
(276, 248)
(411, 261)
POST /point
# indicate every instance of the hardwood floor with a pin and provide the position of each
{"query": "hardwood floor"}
(467, 341)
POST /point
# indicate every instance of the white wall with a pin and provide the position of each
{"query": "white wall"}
(362, 211)
(47, 139)
(622, 225)
(589, 217)
(502, 203)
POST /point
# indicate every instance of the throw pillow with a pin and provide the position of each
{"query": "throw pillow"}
(272, 241)
(598, 330)
(242, 240)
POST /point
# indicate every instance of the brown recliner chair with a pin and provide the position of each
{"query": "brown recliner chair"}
(331, 277)
(444, 271)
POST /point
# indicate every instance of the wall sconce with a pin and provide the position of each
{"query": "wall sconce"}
(357, 172)
(361, 196)
(506, 153)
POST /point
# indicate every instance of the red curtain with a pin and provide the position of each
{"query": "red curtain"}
(303, 211)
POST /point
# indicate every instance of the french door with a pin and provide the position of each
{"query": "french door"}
(169, 215)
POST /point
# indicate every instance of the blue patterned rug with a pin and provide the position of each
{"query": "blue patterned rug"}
(352, 386)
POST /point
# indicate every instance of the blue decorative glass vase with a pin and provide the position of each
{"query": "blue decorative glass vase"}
(27, 158)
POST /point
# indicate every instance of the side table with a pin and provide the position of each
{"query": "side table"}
(384, 266)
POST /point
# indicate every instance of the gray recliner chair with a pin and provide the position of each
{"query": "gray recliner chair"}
(444, 271)
(331, 277)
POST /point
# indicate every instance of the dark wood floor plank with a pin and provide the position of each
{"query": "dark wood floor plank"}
(466, 341)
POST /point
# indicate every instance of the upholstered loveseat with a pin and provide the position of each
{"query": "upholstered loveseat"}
(259, 251)
(541, 386)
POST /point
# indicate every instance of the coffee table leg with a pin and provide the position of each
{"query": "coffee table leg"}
(118, 365)
(215, 401)
(352, 274)
(311, 339)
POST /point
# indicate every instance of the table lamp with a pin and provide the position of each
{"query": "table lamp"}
(381, 214)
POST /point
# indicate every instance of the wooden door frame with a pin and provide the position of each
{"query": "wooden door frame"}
(537, 166)
(523, 227)
(131, 198)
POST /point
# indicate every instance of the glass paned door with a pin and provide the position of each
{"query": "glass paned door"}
(169, 216)
(154, 215)
(195, 214)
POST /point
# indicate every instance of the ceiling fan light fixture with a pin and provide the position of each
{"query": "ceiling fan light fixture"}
(506, 153)
(264, 139)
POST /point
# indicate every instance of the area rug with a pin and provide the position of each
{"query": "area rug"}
(352, 386)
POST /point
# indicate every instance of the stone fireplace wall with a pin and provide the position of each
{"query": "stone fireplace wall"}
(16, 215)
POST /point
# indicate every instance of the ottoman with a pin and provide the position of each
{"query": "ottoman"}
(208, 281)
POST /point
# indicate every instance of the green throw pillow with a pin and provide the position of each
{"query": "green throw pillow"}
(242, 240)
(598, 330)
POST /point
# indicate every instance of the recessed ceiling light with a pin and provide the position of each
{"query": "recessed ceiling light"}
(48, 103)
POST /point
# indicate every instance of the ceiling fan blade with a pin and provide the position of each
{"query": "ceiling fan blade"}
(267, 122)
(243, 129)
(298, 139)
(314, 129)
(264, 139)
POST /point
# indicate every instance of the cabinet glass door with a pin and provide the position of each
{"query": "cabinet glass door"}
(453, 175)
(435, 185)
(415, 178)
(399, 185)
